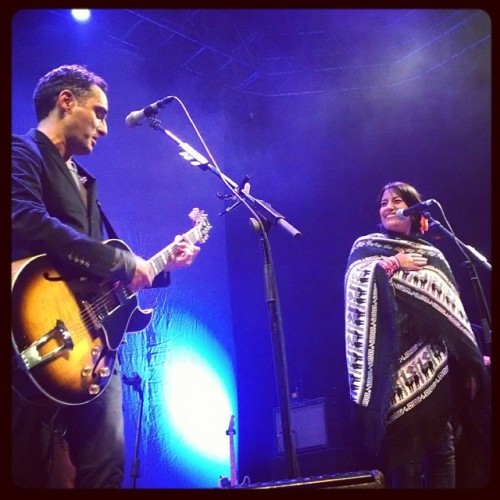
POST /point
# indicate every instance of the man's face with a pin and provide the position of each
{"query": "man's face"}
(86, 122)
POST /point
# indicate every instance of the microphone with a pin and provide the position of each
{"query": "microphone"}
(414, 209)
(137, 117)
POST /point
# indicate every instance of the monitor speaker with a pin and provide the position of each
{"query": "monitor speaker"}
(312, 423)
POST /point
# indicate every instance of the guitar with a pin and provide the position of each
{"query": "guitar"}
(66, 331)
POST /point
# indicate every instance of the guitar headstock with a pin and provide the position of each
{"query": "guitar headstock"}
(201, 223)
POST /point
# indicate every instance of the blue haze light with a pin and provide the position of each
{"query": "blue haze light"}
(199, 399)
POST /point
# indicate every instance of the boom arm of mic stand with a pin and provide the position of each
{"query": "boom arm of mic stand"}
(263, 208)
(480, 298)
(466, 249)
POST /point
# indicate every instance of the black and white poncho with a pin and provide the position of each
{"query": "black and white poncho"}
(402, 334)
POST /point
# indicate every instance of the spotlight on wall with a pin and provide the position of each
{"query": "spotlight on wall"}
(81, 15)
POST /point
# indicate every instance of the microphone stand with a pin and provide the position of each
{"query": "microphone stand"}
(472, 257)
(279, 351)
(135, 383)
(267, 217)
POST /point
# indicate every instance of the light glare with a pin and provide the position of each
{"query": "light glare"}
(81, 15)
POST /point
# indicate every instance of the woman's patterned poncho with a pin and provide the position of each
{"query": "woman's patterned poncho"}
(402, 334)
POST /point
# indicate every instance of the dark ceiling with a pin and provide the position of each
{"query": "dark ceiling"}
(275, 52)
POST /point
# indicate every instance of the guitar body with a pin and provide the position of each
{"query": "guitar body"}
(66, 330)
(74, 327)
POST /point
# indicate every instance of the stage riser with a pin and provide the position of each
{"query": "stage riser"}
(351, 480)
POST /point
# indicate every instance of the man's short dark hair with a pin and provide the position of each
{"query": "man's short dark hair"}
(73, 77)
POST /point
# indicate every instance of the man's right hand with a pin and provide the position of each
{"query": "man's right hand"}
(143, 276)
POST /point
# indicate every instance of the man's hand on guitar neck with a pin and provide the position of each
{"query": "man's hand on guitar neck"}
(184, 254)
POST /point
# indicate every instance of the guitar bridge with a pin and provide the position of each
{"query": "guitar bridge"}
(31, 357)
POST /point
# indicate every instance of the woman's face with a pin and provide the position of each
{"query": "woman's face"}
(389, 203)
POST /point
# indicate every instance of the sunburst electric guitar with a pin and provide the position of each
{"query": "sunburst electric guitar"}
(66, 332)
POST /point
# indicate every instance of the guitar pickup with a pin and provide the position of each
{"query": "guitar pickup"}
(31, 357)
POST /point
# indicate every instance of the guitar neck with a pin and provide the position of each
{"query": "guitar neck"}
(160, 260)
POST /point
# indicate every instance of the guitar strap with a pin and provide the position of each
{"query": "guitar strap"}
(162, 280)
(109, 228)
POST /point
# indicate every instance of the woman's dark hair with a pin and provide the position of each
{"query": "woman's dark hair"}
(73, 77)
(409, 195)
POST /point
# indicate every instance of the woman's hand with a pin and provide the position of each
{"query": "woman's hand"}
(411, 261)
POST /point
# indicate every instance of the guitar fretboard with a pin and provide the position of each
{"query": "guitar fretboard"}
(197, 234)
(161, 259)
